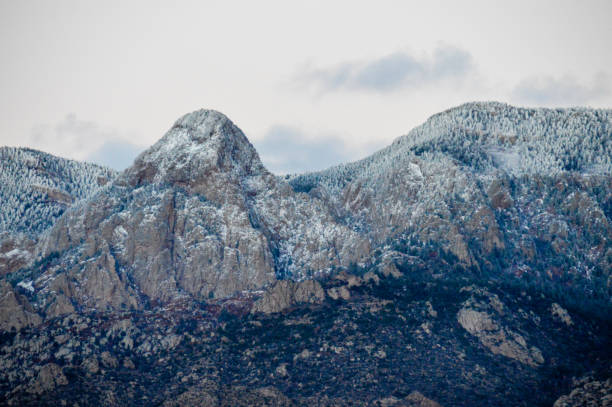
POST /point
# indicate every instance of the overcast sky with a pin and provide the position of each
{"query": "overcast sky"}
(311, 83)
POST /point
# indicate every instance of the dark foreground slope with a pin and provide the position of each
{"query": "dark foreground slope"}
(457, 342)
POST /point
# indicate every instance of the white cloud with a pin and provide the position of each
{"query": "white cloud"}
(548, 90)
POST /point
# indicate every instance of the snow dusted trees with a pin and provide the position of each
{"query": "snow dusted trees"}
(490, 136)
(35, 187)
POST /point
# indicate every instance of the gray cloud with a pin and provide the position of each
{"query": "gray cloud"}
(72, 134)
(117, 154)
(286, 150)
(393, 72)
(567, 90)
(85, 140)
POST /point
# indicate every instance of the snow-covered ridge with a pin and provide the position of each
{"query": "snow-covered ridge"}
(489, 136)
(36, 187)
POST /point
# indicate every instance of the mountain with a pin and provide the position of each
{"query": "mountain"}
(35, 189)
(500, 188)
(471, 255)
(197, 216)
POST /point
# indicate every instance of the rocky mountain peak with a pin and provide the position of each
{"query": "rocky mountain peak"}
(198, 145)
(476, 252)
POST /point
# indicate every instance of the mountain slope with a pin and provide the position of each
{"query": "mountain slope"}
(469, 263)
(35, 189)
(500, 188)
(38, 187)
(197, 216)
(458, 342)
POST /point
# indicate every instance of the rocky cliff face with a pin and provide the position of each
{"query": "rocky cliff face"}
(588, 392)
(500, 189)
(197, 216)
